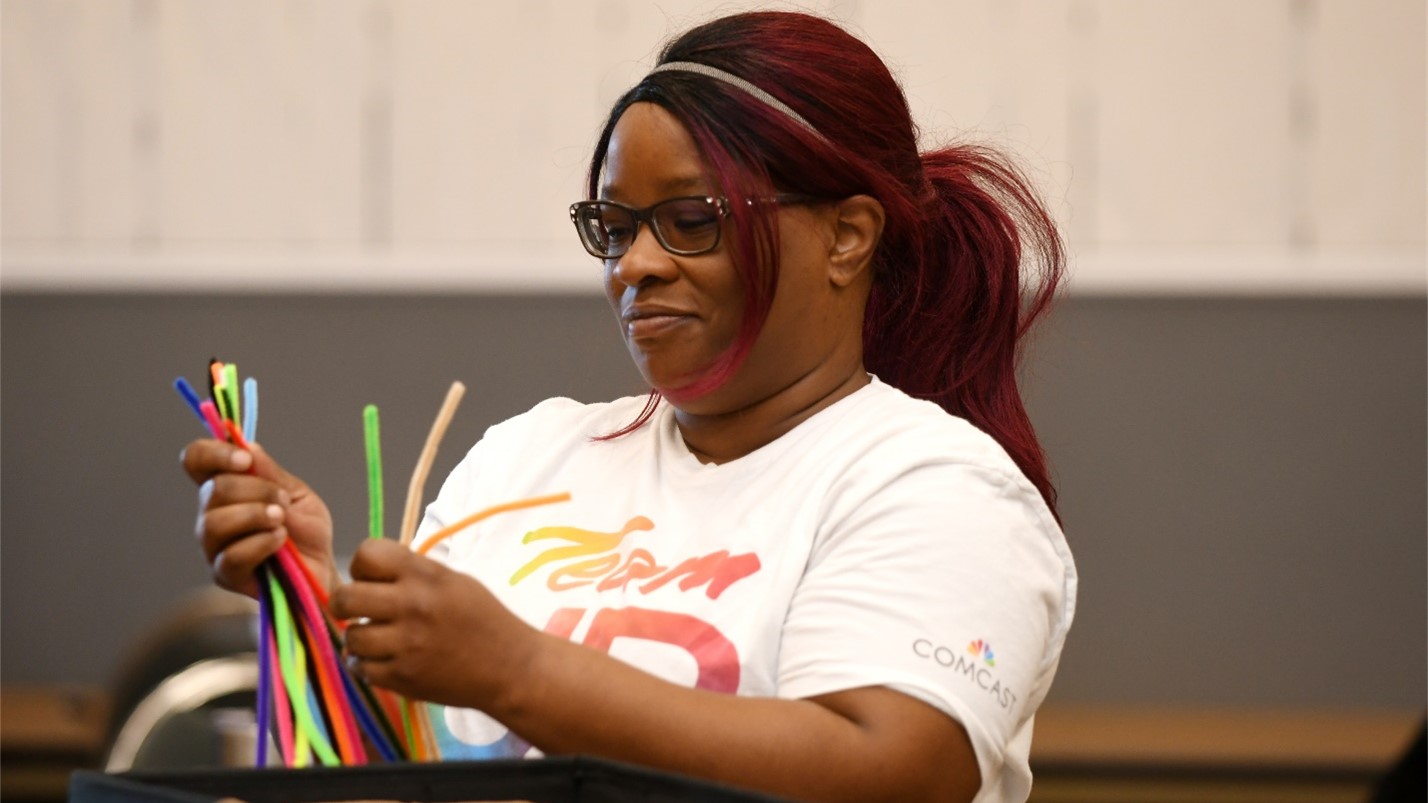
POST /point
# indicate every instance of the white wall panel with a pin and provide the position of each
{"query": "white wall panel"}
(100, 99)
(259, 123)
(1194, 117)
(486, 149)
(1200, 145)
(1042, 114)
(330, 49)
(1367, 172)
(38, 121)
(991, 72)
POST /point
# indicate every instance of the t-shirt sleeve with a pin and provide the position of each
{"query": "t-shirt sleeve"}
(949, 582)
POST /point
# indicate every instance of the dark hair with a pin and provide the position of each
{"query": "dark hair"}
(949, 303)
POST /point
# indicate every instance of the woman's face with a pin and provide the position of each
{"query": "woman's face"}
(678, 314)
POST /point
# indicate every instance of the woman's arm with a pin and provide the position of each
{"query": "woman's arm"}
(436, 634)
(863, 744)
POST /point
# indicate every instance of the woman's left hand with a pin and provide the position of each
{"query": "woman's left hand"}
(428, 632)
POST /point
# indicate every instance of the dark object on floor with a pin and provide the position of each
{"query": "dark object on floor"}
(1407, 781)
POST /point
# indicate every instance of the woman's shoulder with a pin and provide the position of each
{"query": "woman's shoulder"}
(889, 420)
(891, 439)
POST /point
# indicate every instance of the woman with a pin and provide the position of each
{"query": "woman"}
(784, 568)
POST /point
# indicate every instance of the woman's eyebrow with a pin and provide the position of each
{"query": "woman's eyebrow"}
(684, 185)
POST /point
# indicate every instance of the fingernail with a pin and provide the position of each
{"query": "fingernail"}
(275, 514)
(240, 460)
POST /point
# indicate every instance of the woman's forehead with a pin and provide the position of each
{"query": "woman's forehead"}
(651, 151)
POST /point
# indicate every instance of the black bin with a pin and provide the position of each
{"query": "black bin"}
(549, 780)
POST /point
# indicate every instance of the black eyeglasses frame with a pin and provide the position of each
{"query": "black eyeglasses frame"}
(641, 215)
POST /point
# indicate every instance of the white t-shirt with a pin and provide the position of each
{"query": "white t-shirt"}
(880, 542)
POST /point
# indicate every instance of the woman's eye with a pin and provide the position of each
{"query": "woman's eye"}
(616, 231)
(694, 221)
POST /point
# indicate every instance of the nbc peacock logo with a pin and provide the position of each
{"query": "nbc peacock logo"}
(984, 650)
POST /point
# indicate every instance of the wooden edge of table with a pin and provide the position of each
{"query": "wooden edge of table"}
(42, 719)
(39, 719)
(1330, 740)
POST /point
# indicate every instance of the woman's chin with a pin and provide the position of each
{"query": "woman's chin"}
(689, 389)
(684, 391)
(674, 382)
(683, 396)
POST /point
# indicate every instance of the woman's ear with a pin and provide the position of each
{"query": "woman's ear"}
(858, 228)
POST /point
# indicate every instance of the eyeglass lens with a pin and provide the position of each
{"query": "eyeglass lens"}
(681, 225)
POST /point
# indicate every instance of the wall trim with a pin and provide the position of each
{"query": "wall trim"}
(541, 270)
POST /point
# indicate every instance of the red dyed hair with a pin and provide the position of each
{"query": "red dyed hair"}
(950, 302)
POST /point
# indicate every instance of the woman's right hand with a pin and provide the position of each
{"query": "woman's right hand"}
(248, 505)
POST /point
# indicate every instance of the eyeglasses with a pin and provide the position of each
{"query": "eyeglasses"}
(685, 226)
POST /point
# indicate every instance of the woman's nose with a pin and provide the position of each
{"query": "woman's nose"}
(645, 261)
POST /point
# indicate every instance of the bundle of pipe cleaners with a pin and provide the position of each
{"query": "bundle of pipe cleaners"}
(313, 707)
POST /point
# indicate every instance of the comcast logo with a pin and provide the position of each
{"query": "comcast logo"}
(984, 650)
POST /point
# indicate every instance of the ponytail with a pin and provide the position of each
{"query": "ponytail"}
(948, 312)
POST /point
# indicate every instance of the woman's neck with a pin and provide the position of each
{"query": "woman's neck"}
(722, 437)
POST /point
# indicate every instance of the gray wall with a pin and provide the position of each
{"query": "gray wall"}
(1243, 479)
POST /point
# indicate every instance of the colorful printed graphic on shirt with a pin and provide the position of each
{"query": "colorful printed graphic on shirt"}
(593, 556)
(572, 558)
(984, 649)
(504, 744)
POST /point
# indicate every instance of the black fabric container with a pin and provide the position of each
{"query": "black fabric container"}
(551, 780)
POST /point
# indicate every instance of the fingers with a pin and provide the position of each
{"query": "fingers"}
(375, 639)
(241, 517)
(236, 489)
(220, 527)
(377, 592)
(248, 506)
(235, 565)
(371, 641)
(412, 621)
(204, 459)
(234, 505)
(381, 560)
(388, 654)
(371, 602)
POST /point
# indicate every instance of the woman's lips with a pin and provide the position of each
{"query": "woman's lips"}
(647, 326)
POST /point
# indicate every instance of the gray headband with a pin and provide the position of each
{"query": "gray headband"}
(734, 80)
